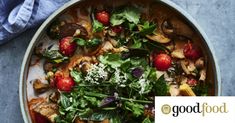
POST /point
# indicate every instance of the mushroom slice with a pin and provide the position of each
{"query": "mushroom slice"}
(73, 29)
(85, 66)
(174, 90)
(40, 87)
(167, 27)
(107, 46)
(199, 63)
(158, 37)
(160, 73)
(175, 26)
(113, 42)
(83, 63)
(191, 67)
(202, 75)
(119, 50)
(178, 53)
(184, 64)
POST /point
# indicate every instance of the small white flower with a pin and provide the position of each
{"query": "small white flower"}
(143, 83)
(95, 73)
(120, 78)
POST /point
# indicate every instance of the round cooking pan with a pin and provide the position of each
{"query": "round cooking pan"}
(213, 69)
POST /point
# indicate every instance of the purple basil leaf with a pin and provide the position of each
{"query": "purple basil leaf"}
(137, 72)
(106, 101)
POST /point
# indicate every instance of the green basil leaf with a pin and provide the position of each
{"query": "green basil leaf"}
(160, 87)
(93, 42)
(132, 15)
(135, 108)
(54, 56)
(80, 41)
(147, 120)
(77, 76)
(129, 14)
(117, 18)
(97, 26)
(148, 28)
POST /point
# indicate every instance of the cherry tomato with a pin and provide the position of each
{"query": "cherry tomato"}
(192, 82)
(162, 62)
(67, 46)
(65, 84)
(117, 29)
(191, 51)
(103, 17)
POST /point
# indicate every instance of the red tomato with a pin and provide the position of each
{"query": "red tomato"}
(191, 51)
(117, 29)
(192, 82)
(103, 17)
(67, 46)
(65, 84)
(162, 62)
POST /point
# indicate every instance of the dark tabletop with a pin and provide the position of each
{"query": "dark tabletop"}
(216, 17)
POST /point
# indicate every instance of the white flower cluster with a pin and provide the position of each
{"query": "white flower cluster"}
(143, 84)
(119, 78)
(96, 73)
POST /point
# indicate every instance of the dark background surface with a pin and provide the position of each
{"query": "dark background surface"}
(216, 17)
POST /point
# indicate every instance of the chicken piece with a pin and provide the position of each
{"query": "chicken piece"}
(178, 53)
(174, 90)
(184, 64)
(107, 46)
(40, 87)
(54, 97)
(41, 107)
(191, 67)
(48, 110)
(202, 75)
(160, 38)
(83, 63)
(113, 42)
(188, 67)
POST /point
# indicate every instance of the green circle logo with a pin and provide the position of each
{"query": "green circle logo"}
(166, 109)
